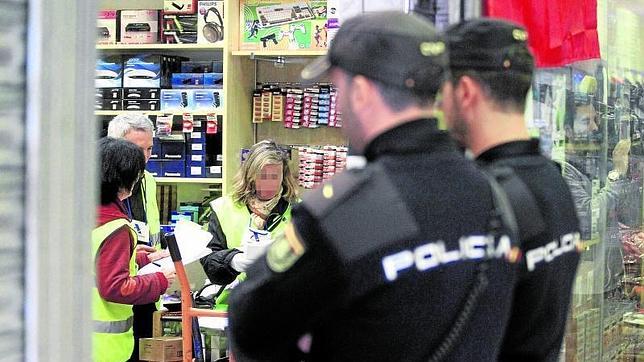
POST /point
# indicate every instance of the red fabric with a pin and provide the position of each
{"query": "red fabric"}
(112, 265)
(560, 31)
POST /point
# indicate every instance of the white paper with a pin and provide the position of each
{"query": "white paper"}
(192, 241)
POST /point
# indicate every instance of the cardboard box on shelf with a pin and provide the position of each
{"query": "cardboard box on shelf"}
(160, 349)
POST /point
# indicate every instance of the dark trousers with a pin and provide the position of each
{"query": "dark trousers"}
(142, 326)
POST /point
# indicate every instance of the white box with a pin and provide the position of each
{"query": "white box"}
(106, 27)
(210, 22)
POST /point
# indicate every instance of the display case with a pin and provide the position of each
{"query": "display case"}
(590, 118)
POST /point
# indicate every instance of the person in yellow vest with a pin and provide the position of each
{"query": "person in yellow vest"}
(117, 285)
(260, 206)
(142, 209)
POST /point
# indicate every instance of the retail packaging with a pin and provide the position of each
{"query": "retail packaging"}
(177, 100)
(210, 22)
(109, 93)
(139, 26)
(173, 168)
(141, 104)
(161, 349)
(202, 67)
(179, 6)
(149, 70)
(106, 27)
(208, 99)
(108, 104)
(141, 93)
(109, 72)
(179, 29)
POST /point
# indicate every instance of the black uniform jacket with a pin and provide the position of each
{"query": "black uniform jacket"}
(381, 261)
(543, 292)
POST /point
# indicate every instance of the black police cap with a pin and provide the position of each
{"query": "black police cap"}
(487, 44)
(394, 48)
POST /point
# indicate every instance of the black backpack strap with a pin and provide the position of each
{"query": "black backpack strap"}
(526, 211)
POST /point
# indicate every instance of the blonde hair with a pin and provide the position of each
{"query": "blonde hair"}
(261, 154)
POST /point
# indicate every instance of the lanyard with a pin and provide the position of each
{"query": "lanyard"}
(129, 208)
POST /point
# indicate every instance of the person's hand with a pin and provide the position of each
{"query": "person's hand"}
(620, 156)
(158, 254)
(170, 275)
(144, 248)
(240, 262)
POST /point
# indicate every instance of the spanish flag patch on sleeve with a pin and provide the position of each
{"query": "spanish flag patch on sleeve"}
(285, 251)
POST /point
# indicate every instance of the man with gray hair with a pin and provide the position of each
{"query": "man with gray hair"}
(142, 209)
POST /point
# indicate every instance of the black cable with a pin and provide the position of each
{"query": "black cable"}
(450, 340)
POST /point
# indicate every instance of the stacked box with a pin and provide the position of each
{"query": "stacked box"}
(179, 29)
(106, 27)
(196, 150)
(171, 159)
(139, 26)
(318, 165)
(310, 107)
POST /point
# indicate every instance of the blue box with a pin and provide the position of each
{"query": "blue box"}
(174, 168)
(109, 72)
(196, 169)
(208, 99)
(196, 147)
(156, 148)
(197, 137)
(213, 80)
(213, 171)
(154, 167)
(187, 80)
(196, 157)
(173, 150)
(177, 100)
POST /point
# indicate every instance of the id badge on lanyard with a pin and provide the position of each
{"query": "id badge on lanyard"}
(142, 231)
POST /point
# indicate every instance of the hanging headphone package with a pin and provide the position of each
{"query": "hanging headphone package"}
(210, 22)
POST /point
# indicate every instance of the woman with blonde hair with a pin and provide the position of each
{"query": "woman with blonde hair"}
(263, 192)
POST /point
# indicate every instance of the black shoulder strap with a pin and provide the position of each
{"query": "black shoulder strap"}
(528, 217)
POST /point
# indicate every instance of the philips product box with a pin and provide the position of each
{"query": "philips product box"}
(106, 27)
(208, 99)
(141, 104)
(109, 72)
(210, 24)
(139, 26)
(176, 100)
(141, 93)
(109, 93)
(179, 6)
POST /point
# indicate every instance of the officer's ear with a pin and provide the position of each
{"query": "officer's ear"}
(468, 94)
(361, 92)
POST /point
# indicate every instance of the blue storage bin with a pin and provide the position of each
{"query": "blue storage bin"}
(174, 168)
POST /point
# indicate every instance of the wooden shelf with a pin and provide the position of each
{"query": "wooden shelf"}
(159, 47)
(157, 113)
(187, 180)
(285, 52)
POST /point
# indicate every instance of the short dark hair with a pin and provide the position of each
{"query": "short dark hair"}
(122, 163)
(507, 89)
(400, 98)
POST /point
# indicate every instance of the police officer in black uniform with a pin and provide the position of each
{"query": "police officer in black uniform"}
(492, 71)
(403, 260)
